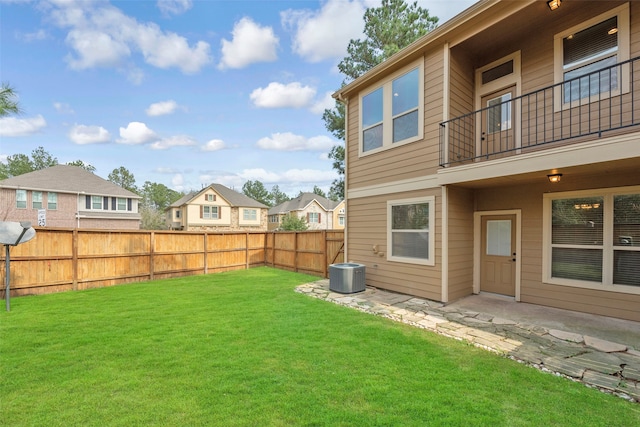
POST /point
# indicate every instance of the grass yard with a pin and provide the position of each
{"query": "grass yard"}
(243, 349)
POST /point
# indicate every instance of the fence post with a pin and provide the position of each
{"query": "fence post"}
(205, 252)
(152, 249)
(74, 259)
(324, 250)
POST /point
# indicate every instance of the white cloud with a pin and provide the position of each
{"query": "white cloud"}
(162, 108)
(309, 175)
(12, 126)
(325, 34)
(136, 133)
(101, 35)
(214, 145)
(35, 36)
(173, 141)
(251, 43)
(178, 182)
(288, 141)
(278, 95)
(174, 7)
(326, 103)
(82, 134)
(63, 108)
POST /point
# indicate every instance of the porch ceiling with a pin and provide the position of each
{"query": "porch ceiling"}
(623, 168)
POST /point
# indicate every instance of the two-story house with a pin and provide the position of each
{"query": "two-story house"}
(68, 196)
(319, 212)
(500, 153)
(217, 208)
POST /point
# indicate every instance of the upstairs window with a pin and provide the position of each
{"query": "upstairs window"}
(36, 199)
(96, 202)
(250, 214)
(21, 199)
(586, 56)
(52, 201)
(209, 212)
(122, 204)
(313, 217)
(392, 113)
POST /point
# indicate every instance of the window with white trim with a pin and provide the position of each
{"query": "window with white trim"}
(36, 199)
(313, 217)
(52, 201)
(21, 199)
(122, 204)
(410, 234)
(592, 239)
(341, 220)
(250, 214)
(210, 212)
(391, 114)
(96, 202)
(586, 56)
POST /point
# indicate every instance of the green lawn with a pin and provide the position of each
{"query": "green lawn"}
(243, 349)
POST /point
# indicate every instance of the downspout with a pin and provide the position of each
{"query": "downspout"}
(446, 82)
(345, 101)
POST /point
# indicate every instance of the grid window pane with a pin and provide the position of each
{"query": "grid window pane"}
(410, 231)
(36, 199)
(96, 202)
(52, 201)
(21, 199)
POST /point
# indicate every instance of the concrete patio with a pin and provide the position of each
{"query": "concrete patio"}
(599, 351)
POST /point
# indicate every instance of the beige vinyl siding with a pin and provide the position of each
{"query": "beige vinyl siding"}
(532, 290)
(368, 228)
(460, 233)
(405, 161)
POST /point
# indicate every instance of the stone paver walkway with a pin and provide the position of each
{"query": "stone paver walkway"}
(608, 366)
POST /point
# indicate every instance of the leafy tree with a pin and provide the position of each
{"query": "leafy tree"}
(8, 102)
(19, 164)
(83, 165)
(158, 196)
(335, 194)
(318, 191)
(257, 191)
(152, 218)
(388, 28)
(277, 196)
(293, 222)
(124, 178)
(41, 159)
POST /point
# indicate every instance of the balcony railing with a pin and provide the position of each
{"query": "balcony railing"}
(581, 109)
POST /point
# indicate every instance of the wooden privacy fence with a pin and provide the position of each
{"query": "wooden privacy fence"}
(60, 259)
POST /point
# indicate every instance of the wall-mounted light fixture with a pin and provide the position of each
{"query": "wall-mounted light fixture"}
(553, 178)
(554, 4)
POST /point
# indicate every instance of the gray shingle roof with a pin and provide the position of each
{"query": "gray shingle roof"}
(66, 179)
(234, 198)
(302, 201)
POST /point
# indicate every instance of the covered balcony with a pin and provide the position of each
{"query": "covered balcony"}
(591, 106)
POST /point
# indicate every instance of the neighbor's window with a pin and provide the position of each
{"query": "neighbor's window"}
(586, 56)
(341, 220)
(249, 214)
(209, 212)
(21, 199)
(391, 113)
(210, 197)
(122, 204)
(96, 202)
(594, 239)
(52, 201)
(313, 217)
(36, 199)
(410, 234)
(178, 213)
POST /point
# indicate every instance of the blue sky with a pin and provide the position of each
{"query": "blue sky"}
(181, 92)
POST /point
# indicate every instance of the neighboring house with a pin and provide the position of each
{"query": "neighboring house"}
(319, 212)
(501, 153)
(217, 208)
(68, 196)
